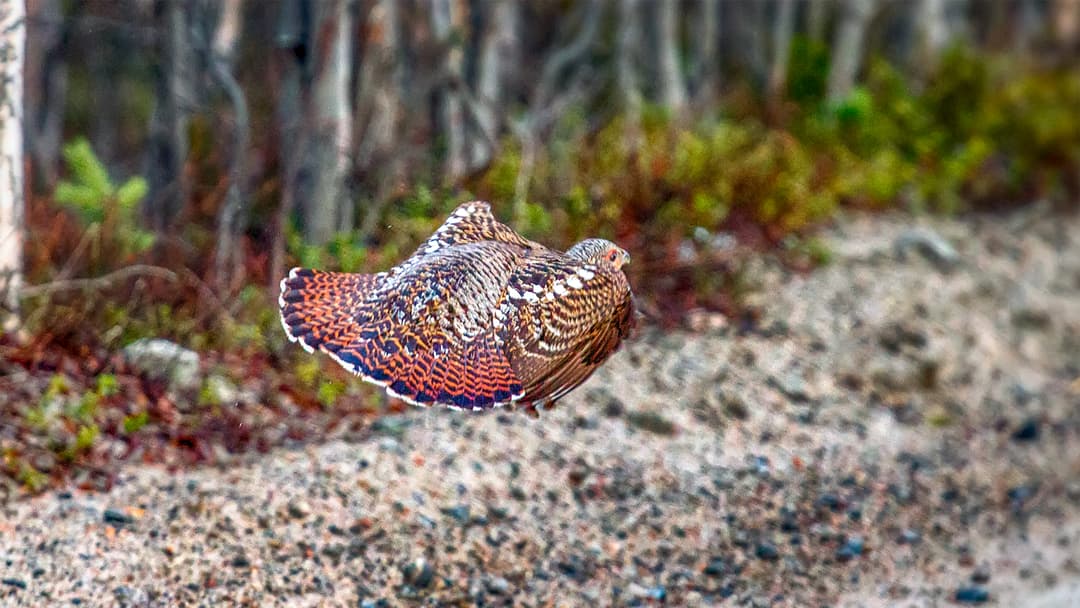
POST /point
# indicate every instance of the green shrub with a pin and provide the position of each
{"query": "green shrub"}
(100, 204)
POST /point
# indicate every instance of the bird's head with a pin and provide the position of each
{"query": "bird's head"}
(599, 251)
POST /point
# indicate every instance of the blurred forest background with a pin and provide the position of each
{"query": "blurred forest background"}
(178, 156)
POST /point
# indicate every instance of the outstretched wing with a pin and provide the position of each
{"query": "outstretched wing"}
(469, 223)
(425, 331)
(563, 319)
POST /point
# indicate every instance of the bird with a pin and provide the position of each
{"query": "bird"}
(477, 317)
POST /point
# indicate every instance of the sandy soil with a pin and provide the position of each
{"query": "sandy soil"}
(898, 428)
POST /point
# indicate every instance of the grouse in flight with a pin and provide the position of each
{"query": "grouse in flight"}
(477, 317)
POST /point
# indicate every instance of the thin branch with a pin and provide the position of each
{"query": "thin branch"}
(98, 283)
(230, 220)
(568, 55)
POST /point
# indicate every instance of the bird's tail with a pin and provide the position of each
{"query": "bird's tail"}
(318, 307)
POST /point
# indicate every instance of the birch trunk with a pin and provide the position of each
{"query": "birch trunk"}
(847, 52)
(669, 71)
(12, 193)
(705, 27)
(447, 21)
(626, 58)
(230, 219)
(783, 28)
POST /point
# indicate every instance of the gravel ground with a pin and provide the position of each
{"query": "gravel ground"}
(899, 428)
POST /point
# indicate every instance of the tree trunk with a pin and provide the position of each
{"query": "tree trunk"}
(672, 85)
(626, 61)
(817, 18)
(497, 48)
(703, 60)
(46, 91)
(932, 31)
(379, 100)
(783, 28)
(167, 145)
(330, 113)
(231, 217)
(290, 37)
(1066, 22)
(12, 192)
(447, 25)
(847, 52)
(379, 91)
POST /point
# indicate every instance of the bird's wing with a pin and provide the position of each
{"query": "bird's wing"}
(563, 318)
(471, 222)
(426, 331)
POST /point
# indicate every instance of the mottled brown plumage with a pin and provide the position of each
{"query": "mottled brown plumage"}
(477, 317)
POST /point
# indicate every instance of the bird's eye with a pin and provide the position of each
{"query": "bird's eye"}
(612, 255)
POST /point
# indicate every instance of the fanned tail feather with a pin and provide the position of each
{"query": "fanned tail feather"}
(330, 312)
(318, 308)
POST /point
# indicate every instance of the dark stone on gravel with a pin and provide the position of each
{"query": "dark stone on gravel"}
(895, 336)
(334, 550)
(908, 537)
(459, 512)
(930, 245)
(497, 585)
(609, 404)
(14, 582)
(652, 422)
(735, 407)
(791, 385)
(851, 549)
(112, 516)
(1019, 495)
(1029, 430)
(716, 567)
(767, 551)
(298, 509)
(394, 426)
(830, 501)
(972, 595)
(240, 561)
(981, 575)
(419, 573)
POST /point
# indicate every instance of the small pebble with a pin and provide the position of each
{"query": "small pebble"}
(497, 585)
(113, 516)
(459, 512)
(981, 575)
(908, 537)
(419, 573)
(1027, 431)
(972, 595)
(298, 509)
(766, 551)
